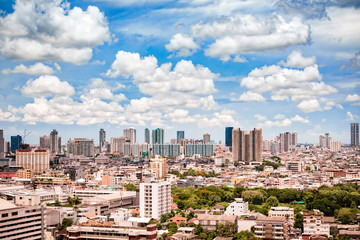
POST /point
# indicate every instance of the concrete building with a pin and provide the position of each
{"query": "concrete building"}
(170, 150)
(147, 136)
(354, 132)
(130, 134)
(314, 225)
(117, 145)
(157, 136)
(2, 144)
(335, 146)
(206, 138)
(155, 199)
(209, 222)
(21, 222)
(15, 143)
(159, 167)
(81, 146)
(324, 140)
(238, 208)
(286, 212)
(247, 147)
(180, 135)
(45, 142)
(25, 173)
(272, 228)
(206, 150)
(102, 139)
(36, 160)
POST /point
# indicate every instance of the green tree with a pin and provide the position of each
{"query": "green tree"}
(57, 203)
(346, 216)
(131, 187)
(190, 215)
(182, 224)
(245, 235)
(253, 196)
(299, 221)
(272, 201)
(66, 222)
(172, 227)
(226, 230)
(198, 230)
(164, 218)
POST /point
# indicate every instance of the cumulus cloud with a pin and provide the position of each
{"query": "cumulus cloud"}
(310, 105)
(51, 30)
(47, 85)
(296, 60)
(297, 118)
(350, 116)
(241, 34)
(279, 116)
(182, 43)
(36, 69)
(260, 117)
(282, 121)
(250, 97)
(355, 61)
(352, 98)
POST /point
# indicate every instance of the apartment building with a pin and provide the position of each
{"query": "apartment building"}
(314, 225)
(272, 228)
(282, 212)
(238, 208)
(36, 160)
(155, 198)
(20, 222)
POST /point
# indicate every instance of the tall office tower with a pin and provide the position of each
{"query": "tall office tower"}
(228, 136)
(206, 138)
(285, 142)
(157, 136)
(354, 134)
(130, 133)
(117, 145)
(158, 167)
(45, 142)
(2, 144)
(294, 139)
(180, 135)
(55, 142)
(324, 140)
(36, 160)
(15, 143)
(81, 146)
(155, 199)
(247, 147)
(102, 139)
(147, 135)
(18, 222)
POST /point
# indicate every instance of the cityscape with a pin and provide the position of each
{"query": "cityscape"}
(179, 120)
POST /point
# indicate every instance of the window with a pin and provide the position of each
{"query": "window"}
(4, 215)
(14, 213)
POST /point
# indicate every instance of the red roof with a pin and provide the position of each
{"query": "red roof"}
(178, 218)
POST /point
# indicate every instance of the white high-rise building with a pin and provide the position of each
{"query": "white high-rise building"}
(335, 146)
(237, 208)
(130, 133)
(324, 140)
(117, 145)
(36, 160)
(155, 199)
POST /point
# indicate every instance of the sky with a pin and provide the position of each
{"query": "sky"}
(192, 65)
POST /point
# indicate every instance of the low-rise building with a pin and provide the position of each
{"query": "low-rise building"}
(314, 225)
(282, 212)
(209, 221)
(238, 208)
(272, 228)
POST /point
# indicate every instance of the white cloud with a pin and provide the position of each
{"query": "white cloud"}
(279, 116)
(248, 34)
(260, 117)
(296, 60)
(182, 43)
(310, 105)
(352, 98)
(250, 97)
(50, 30)
(297, 118)
(36, 69)
(350, 116)
(47, 85)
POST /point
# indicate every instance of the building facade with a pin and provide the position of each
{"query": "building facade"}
(36, 160)
(247, 147)
(157, 136)
(238, 208)
(180, 135)
(15, 143)
(55, 142)
(228, 136)
(130, 134)
(206, 138)
(159, 167)
(155, 199)
(102, 139)
(81, 146)
(147, 136)
(354, 129)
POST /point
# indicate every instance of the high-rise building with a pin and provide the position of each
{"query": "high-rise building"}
(36, 160)
(102, 139)
(147, 135)
(155, 199)
(20, 222)
(228, 136)
(294, 139)
(206, 138)
(45, 142)
(2, 144)
(206, 150)
(55, 142)
(247, 147)
(354, 134)
(81, 146)
(157, 136)
(180, 135)
(159, 167)
(335, 146)
(324, 140)
(117, 145)
(15, 143)
(170, 150)
(288, 141)
(130, 134)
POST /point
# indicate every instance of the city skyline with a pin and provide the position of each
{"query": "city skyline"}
(199, 66)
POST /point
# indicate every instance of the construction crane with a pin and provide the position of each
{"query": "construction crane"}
(25, 134)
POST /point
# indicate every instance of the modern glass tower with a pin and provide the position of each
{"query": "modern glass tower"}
(147, 135)
(15, 143)
(354, 131)
(158, 136)
(228, 136)
(180, 135)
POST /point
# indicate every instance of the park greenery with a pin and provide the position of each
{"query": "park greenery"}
(267, 163)
(194, 173)
(340, 200)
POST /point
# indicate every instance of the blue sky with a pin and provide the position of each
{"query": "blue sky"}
(199, 66)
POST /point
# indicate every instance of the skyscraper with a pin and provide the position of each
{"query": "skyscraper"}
(228, 136)
(147, 135)
(180, 135)
(324, 140)
(102, 139)
(130, 134)
(354, 134)
(55, 142)
(247, 147)
(206, 138)
(158, 136)
(2, 144)
(15, 143)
